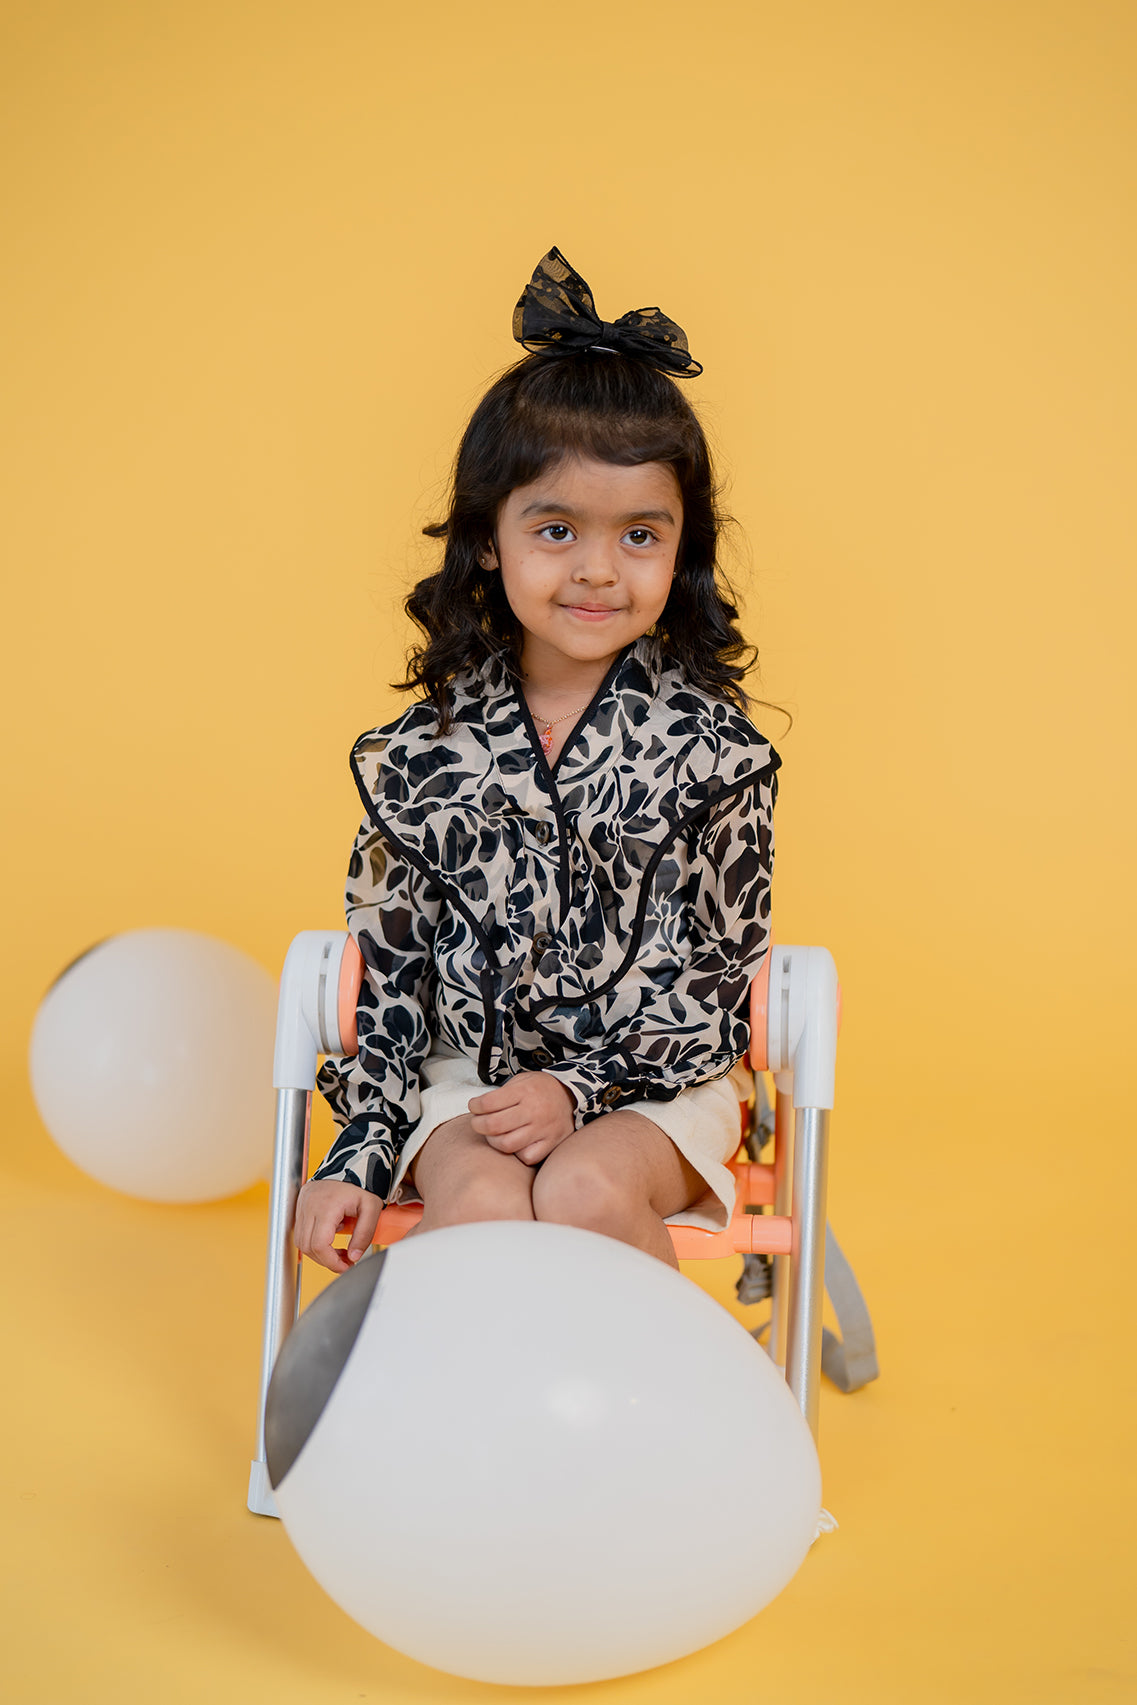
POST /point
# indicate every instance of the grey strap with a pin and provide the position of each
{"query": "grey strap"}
(850, 1360)
(756, 1281)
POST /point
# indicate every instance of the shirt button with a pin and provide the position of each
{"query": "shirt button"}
(543, 832)
(541, 944)
(611, 1094)
(542, 1057)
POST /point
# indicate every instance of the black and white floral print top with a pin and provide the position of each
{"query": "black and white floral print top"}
(600, 921)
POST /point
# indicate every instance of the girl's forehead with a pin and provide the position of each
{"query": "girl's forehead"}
(583, 484)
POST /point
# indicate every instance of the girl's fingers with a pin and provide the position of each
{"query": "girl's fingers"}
(319, 1248)
(367, 1218)
(302, 1232)
(322, 1211)
(496, 1124)
(332, 1258)
(513, 1141)
(316, 1241)
(533, 1154)
(495, 1100)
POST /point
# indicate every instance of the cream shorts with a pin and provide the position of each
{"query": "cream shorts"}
(703, 1123)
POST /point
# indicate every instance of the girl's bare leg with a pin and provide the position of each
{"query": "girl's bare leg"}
(461, 1179)
(622, 1176)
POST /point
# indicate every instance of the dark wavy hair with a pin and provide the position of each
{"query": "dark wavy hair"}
(611, 408)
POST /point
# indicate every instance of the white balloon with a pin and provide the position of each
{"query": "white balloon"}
(151, 1065)
(548, 1458)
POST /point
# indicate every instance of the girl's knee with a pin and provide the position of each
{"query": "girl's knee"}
(581, 1193)
(463, 1181)
(474, 1195)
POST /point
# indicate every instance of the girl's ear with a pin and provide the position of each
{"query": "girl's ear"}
(487, 559)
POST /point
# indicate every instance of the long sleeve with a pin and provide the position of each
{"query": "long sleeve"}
(392, 911)
(695, 1028)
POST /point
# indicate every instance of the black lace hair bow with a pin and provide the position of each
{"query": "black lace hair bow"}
(556, 311)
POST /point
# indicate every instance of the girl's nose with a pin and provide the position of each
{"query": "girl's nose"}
(596, 565)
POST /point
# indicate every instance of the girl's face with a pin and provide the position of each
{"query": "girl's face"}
(587, 555)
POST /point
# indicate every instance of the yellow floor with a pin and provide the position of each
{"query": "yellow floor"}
(984, 1486)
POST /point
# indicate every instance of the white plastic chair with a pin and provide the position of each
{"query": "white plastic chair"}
(794, 1018)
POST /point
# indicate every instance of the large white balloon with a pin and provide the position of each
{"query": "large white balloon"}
(151, 1065)
(530, 1455)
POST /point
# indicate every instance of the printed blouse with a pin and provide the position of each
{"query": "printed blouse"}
(600, 920)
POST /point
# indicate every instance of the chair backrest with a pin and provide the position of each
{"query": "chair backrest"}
(795, 1007)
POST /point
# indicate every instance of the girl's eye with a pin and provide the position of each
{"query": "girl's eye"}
(640, 535)
(557, 531)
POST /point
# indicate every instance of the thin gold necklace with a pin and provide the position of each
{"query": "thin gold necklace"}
(546, 738)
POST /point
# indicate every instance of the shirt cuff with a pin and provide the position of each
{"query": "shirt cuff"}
(598, 1084)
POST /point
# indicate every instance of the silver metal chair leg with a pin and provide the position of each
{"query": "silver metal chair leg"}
(282, 1265)
(807, 1279)
(317, 999)
(783, 1191)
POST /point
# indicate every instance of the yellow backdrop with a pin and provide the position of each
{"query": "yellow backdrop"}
(261, 261)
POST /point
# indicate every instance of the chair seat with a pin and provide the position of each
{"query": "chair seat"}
(747, 1233)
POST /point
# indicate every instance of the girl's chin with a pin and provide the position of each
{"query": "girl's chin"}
(592, 637)
(591, 649)
(593, 645)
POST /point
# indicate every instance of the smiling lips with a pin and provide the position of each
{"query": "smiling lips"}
(590, 612)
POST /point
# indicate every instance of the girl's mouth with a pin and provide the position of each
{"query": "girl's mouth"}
(590, 612)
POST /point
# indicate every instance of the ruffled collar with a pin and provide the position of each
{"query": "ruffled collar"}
(492, 696)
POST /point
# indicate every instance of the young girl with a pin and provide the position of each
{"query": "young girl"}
(561, 889)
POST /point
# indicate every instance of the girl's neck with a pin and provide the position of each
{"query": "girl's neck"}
(553, 683)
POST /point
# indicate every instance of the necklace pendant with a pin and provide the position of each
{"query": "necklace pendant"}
(547, 740)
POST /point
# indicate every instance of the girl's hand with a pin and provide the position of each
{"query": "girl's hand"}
(324, 1207)
(526, 1117)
